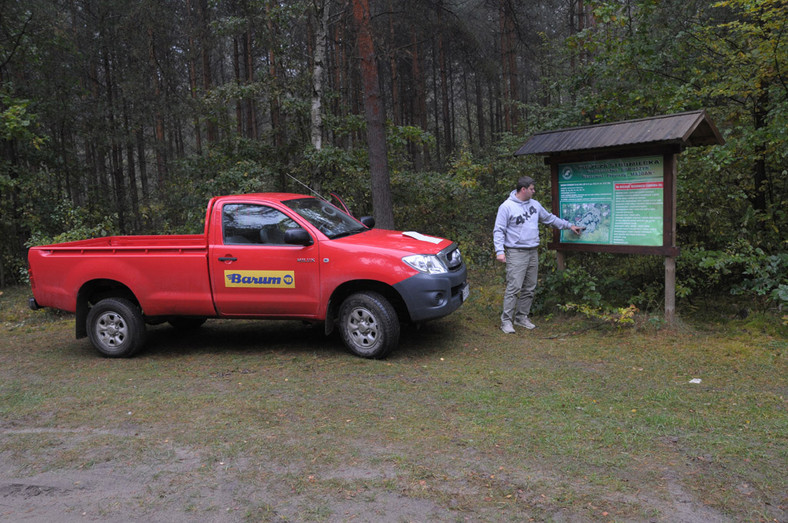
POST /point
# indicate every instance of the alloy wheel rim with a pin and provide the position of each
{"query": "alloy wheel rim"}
(111, 329)
(363, 327)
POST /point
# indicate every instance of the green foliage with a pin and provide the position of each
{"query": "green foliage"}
(600, 280)
(433, 202)
(231, 167)
(744, 50)
(16, 122)
(741, 269)
(21, 146)
(345, 126)
(461, 203)
(400, 139)
(337, 170)
(646, 58)
(619, 317)
(74, 224)
(65, 223)
(242, 176)
(572, 285)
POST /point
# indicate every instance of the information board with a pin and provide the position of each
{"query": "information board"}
(618, 201)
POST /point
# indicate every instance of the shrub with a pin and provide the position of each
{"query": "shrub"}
(572, 285)
(740, 269)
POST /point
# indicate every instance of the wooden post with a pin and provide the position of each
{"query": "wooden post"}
(669, 224)
(670, 290)
(560, 260)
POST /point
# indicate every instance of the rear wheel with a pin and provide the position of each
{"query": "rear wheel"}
(115, 327)
(368, 325)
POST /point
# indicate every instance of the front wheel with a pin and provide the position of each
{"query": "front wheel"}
(368, 325)
(115, 327)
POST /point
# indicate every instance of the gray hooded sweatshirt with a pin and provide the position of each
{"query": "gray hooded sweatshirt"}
(517, 223)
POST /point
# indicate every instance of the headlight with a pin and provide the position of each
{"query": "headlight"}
(425, 263)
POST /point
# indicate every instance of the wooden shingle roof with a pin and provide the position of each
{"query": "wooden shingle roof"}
(688, 129)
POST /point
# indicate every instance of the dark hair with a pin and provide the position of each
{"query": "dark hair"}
(524, 181)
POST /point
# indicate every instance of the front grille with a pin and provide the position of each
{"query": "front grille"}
(451, 257)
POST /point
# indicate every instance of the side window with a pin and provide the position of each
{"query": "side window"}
(245, 223)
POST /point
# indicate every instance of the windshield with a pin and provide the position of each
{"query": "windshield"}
(328, 219)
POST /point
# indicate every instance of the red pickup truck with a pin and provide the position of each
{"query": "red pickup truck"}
(267, 256)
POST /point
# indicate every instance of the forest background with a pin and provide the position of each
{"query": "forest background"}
(124, 117)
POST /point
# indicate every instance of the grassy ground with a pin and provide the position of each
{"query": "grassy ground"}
(270, 421)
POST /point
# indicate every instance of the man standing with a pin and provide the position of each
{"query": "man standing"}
(516, 238)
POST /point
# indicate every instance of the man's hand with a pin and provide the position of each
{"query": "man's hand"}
(577, 230)
(501, 258)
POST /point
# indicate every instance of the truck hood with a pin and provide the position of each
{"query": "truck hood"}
(407, 242)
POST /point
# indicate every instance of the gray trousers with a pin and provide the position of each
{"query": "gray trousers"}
(522, 271)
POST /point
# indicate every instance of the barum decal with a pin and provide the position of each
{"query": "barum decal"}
(260, 279)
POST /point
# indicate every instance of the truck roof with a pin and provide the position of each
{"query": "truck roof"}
(269, 196)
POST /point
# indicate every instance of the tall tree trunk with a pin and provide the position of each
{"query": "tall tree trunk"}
(436, 106)
(115, 157)
(193, 79)
(130, 165)
(341, 80)
(338, 68)
(420, 87)
(508, 64)
(159, 144)
(395, 97)
(140, 141)
(444, 84)
(760, 180)
(251, 110)
(276, 117)
(93, 152)
(239, 117)
(373, 108)
(468, 108)
(480, 109)
(514, 84)
(318, 72)
(494, 109)
(207, 82)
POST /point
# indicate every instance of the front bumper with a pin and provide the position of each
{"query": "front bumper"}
(431, 296)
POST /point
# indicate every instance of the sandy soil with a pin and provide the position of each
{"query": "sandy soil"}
(176, 484)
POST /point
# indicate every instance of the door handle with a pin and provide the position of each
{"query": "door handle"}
(227, 258)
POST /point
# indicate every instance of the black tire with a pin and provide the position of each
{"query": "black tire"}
(185, 323)
(116, 327)
(368, 325)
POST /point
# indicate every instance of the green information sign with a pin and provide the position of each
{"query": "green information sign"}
(619, 202)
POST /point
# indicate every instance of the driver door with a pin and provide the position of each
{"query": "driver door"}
(254, 273)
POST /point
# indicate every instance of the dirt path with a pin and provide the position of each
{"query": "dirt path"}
(175, 484)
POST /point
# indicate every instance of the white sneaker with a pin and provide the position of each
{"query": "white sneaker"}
(507, 328)
(525, 323)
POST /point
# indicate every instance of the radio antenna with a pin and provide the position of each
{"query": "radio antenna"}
(341, 202)
(308, 187)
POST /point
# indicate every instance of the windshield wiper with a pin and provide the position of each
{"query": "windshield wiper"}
(348, 233)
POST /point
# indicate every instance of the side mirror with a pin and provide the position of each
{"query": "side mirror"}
(368, 221)
(298, 237)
